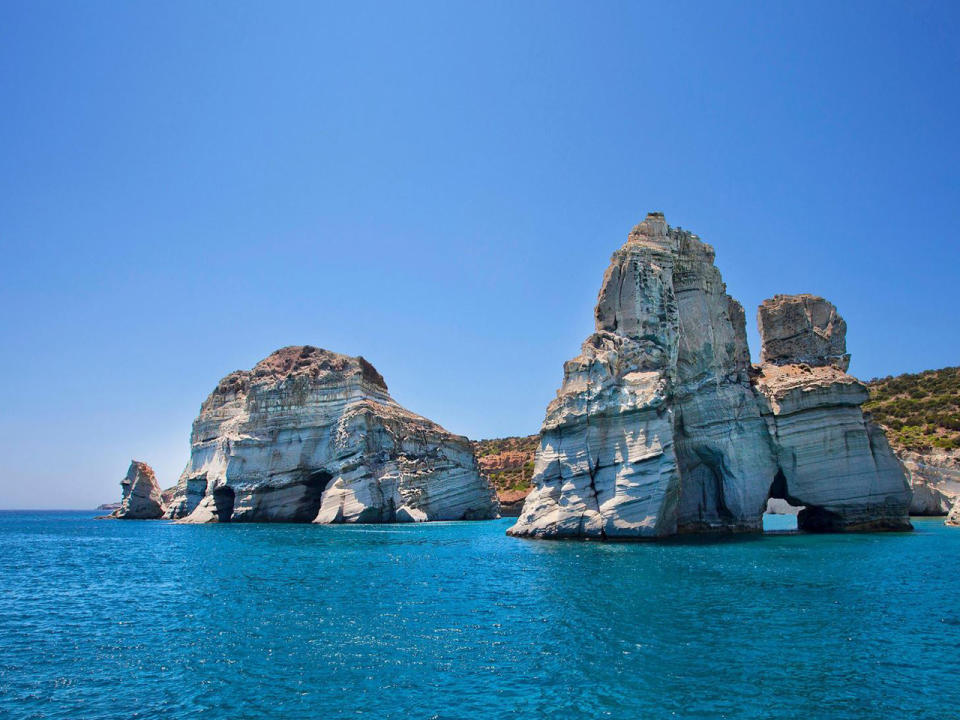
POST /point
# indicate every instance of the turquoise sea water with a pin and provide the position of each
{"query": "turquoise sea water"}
(107, 619)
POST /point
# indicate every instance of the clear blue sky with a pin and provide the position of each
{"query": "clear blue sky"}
(186, 186)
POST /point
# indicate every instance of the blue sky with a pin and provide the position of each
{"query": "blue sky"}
(186, 186)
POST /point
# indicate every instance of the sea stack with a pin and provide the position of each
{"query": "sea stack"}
(142, 498)
(662, 425)
(829, 457)
(309, 435)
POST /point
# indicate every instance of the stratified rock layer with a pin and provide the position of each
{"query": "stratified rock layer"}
(832, 459)
(312, 436)
(662, 425)
(142, 498)
(802, 329)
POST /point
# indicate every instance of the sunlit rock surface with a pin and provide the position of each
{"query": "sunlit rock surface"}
(802, 329)
(313, 436)
(832, 459)
(954, 517)
(662, 426)
(142, 498)
(934, 478)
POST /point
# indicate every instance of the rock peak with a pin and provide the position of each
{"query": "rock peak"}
(142, 497)
(138, 466)
(802, 328)
(313, 361)
(652, 231)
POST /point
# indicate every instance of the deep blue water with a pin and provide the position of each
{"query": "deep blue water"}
(108, 619)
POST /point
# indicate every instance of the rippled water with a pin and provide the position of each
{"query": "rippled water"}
(107, 619)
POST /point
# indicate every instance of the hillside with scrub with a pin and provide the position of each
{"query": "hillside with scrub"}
(920, 411)
(508, 463)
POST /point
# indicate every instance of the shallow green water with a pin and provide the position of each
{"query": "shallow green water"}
(455, 620)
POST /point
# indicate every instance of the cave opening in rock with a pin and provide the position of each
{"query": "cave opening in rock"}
(781, 512)
(309, 503)
(223, 499)
(819, 520)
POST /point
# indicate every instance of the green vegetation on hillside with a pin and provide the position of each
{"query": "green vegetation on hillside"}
(919, 411)
(515, 479)
(508, 462)
(496, 446)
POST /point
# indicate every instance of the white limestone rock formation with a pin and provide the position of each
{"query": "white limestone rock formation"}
(934, 478)
(830, 458)
(954, 517)
(802, 329)
(778, 506)
(142, 498)
(658, 427)
(655, 429)
(309, 435)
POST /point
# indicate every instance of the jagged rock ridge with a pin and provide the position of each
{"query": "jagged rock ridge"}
(662, 426)
(310, 435)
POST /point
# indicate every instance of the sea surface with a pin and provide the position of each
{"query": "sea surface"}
(112, 619)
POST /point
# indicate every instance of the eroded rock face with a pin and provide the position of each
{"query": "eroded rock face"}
(802, 329)
(655, 429)
(313, 436)
(662, 425)
(934, 478)
(142, 497)
(954, 517)
(834, 461)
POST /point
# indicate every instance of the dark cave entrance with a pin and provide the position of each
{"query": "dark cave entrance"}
(309, 504)
(819, 520)
(805, 518)
(781, 514)
(223, 499)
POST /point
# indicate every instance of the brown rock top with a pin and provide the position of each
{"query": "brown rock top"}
(142, 499)
(314, 362)
(309, 435)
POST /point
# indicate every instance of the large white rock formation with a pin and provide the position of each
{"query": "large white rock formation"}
(142, 498)
(662, 425)
(313, 436)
